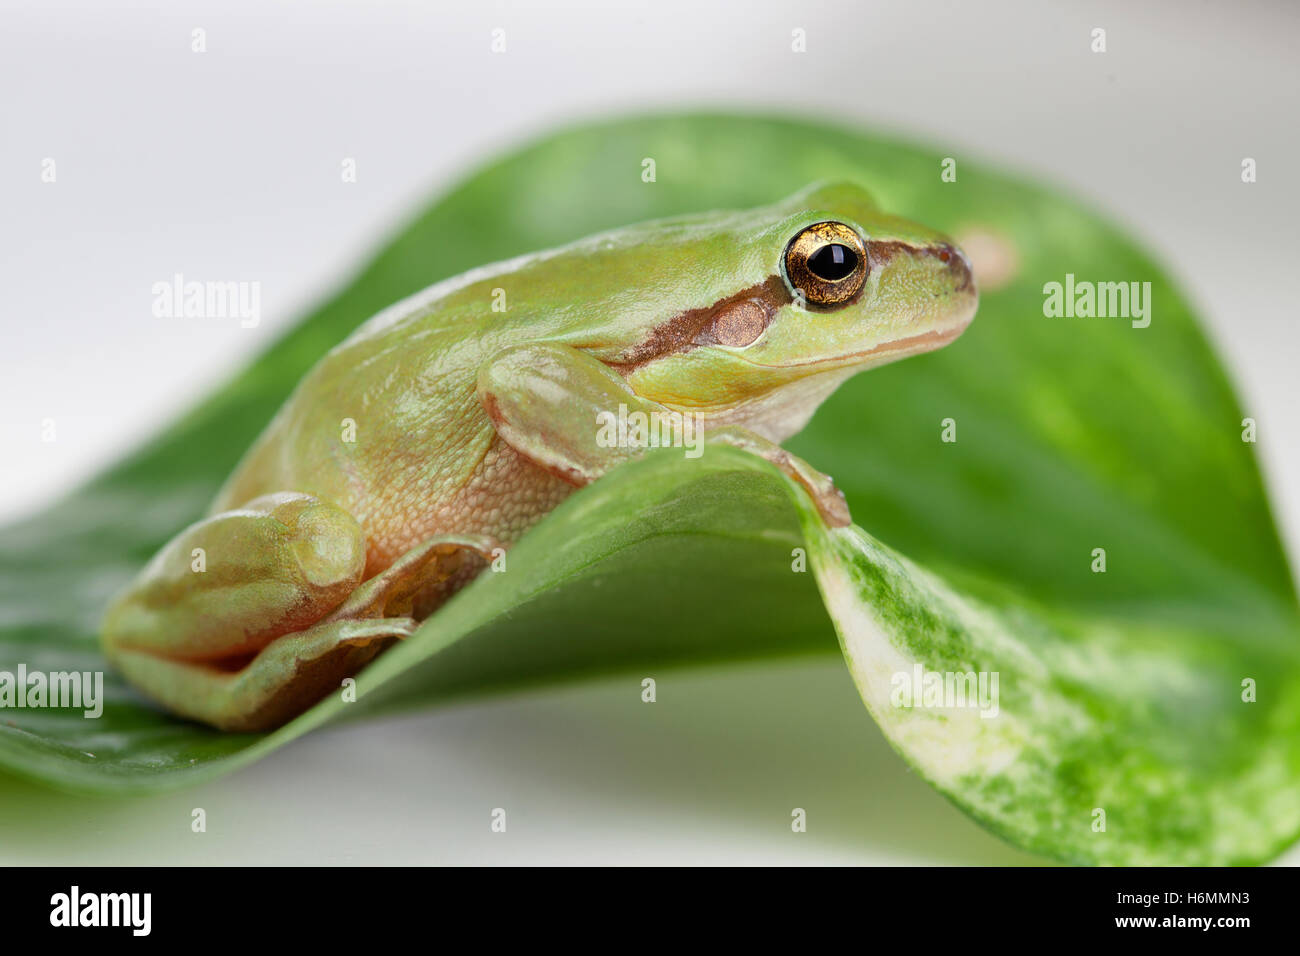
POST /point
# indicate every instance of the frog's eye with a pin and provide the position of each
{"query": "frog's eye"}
(827, 261)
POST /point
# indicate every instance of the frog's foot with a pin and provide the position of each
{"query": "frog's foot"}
(287, 677)
(247, 618)
(829, 500)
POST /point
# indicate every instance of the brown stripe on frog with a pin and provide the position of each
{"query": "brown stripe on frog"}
(735, 321)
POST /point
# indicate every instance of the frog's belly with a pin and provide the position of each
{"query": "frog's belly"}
(504, 496)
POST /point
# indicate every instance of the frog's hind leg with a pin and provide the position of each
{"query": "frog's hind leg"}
(291, 674)
(247, 618)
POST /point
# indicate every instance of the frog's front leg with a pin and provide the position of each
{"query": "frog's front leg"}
(546, 400)
(249, 617)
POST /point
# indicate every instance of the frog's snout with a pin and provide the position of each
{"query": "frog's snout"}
(942, 264)
(948, 274)
(960, 280)
(954, 284)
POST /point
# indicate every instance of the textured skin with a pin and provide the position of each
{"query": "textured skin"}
(472, 482)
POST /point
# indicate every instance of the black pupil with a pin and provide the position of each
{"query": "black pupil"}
(833, 262)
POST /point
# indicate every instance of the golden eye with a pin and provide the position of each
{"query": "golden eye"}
(827, 261)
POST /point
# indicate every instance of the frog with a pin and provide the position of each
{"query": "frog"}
(421, 448)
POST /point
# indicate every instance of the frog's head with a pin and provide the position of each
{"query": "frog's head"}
(821, 286)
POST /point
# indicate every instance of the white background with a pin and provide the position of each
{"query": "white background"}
(226, 165)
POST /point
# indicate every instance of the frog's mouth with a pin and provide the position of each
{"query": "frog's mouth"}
(878, 354)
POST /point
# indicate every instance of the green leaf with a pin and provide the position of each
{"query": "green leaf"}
(1119, 691)
(1107, 741)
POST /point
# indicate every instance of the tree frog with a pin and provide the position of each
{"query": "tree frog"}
(448, 424)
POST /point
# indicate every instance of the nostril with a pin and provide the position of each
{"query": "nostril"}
(957, 263)
(950, 253)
